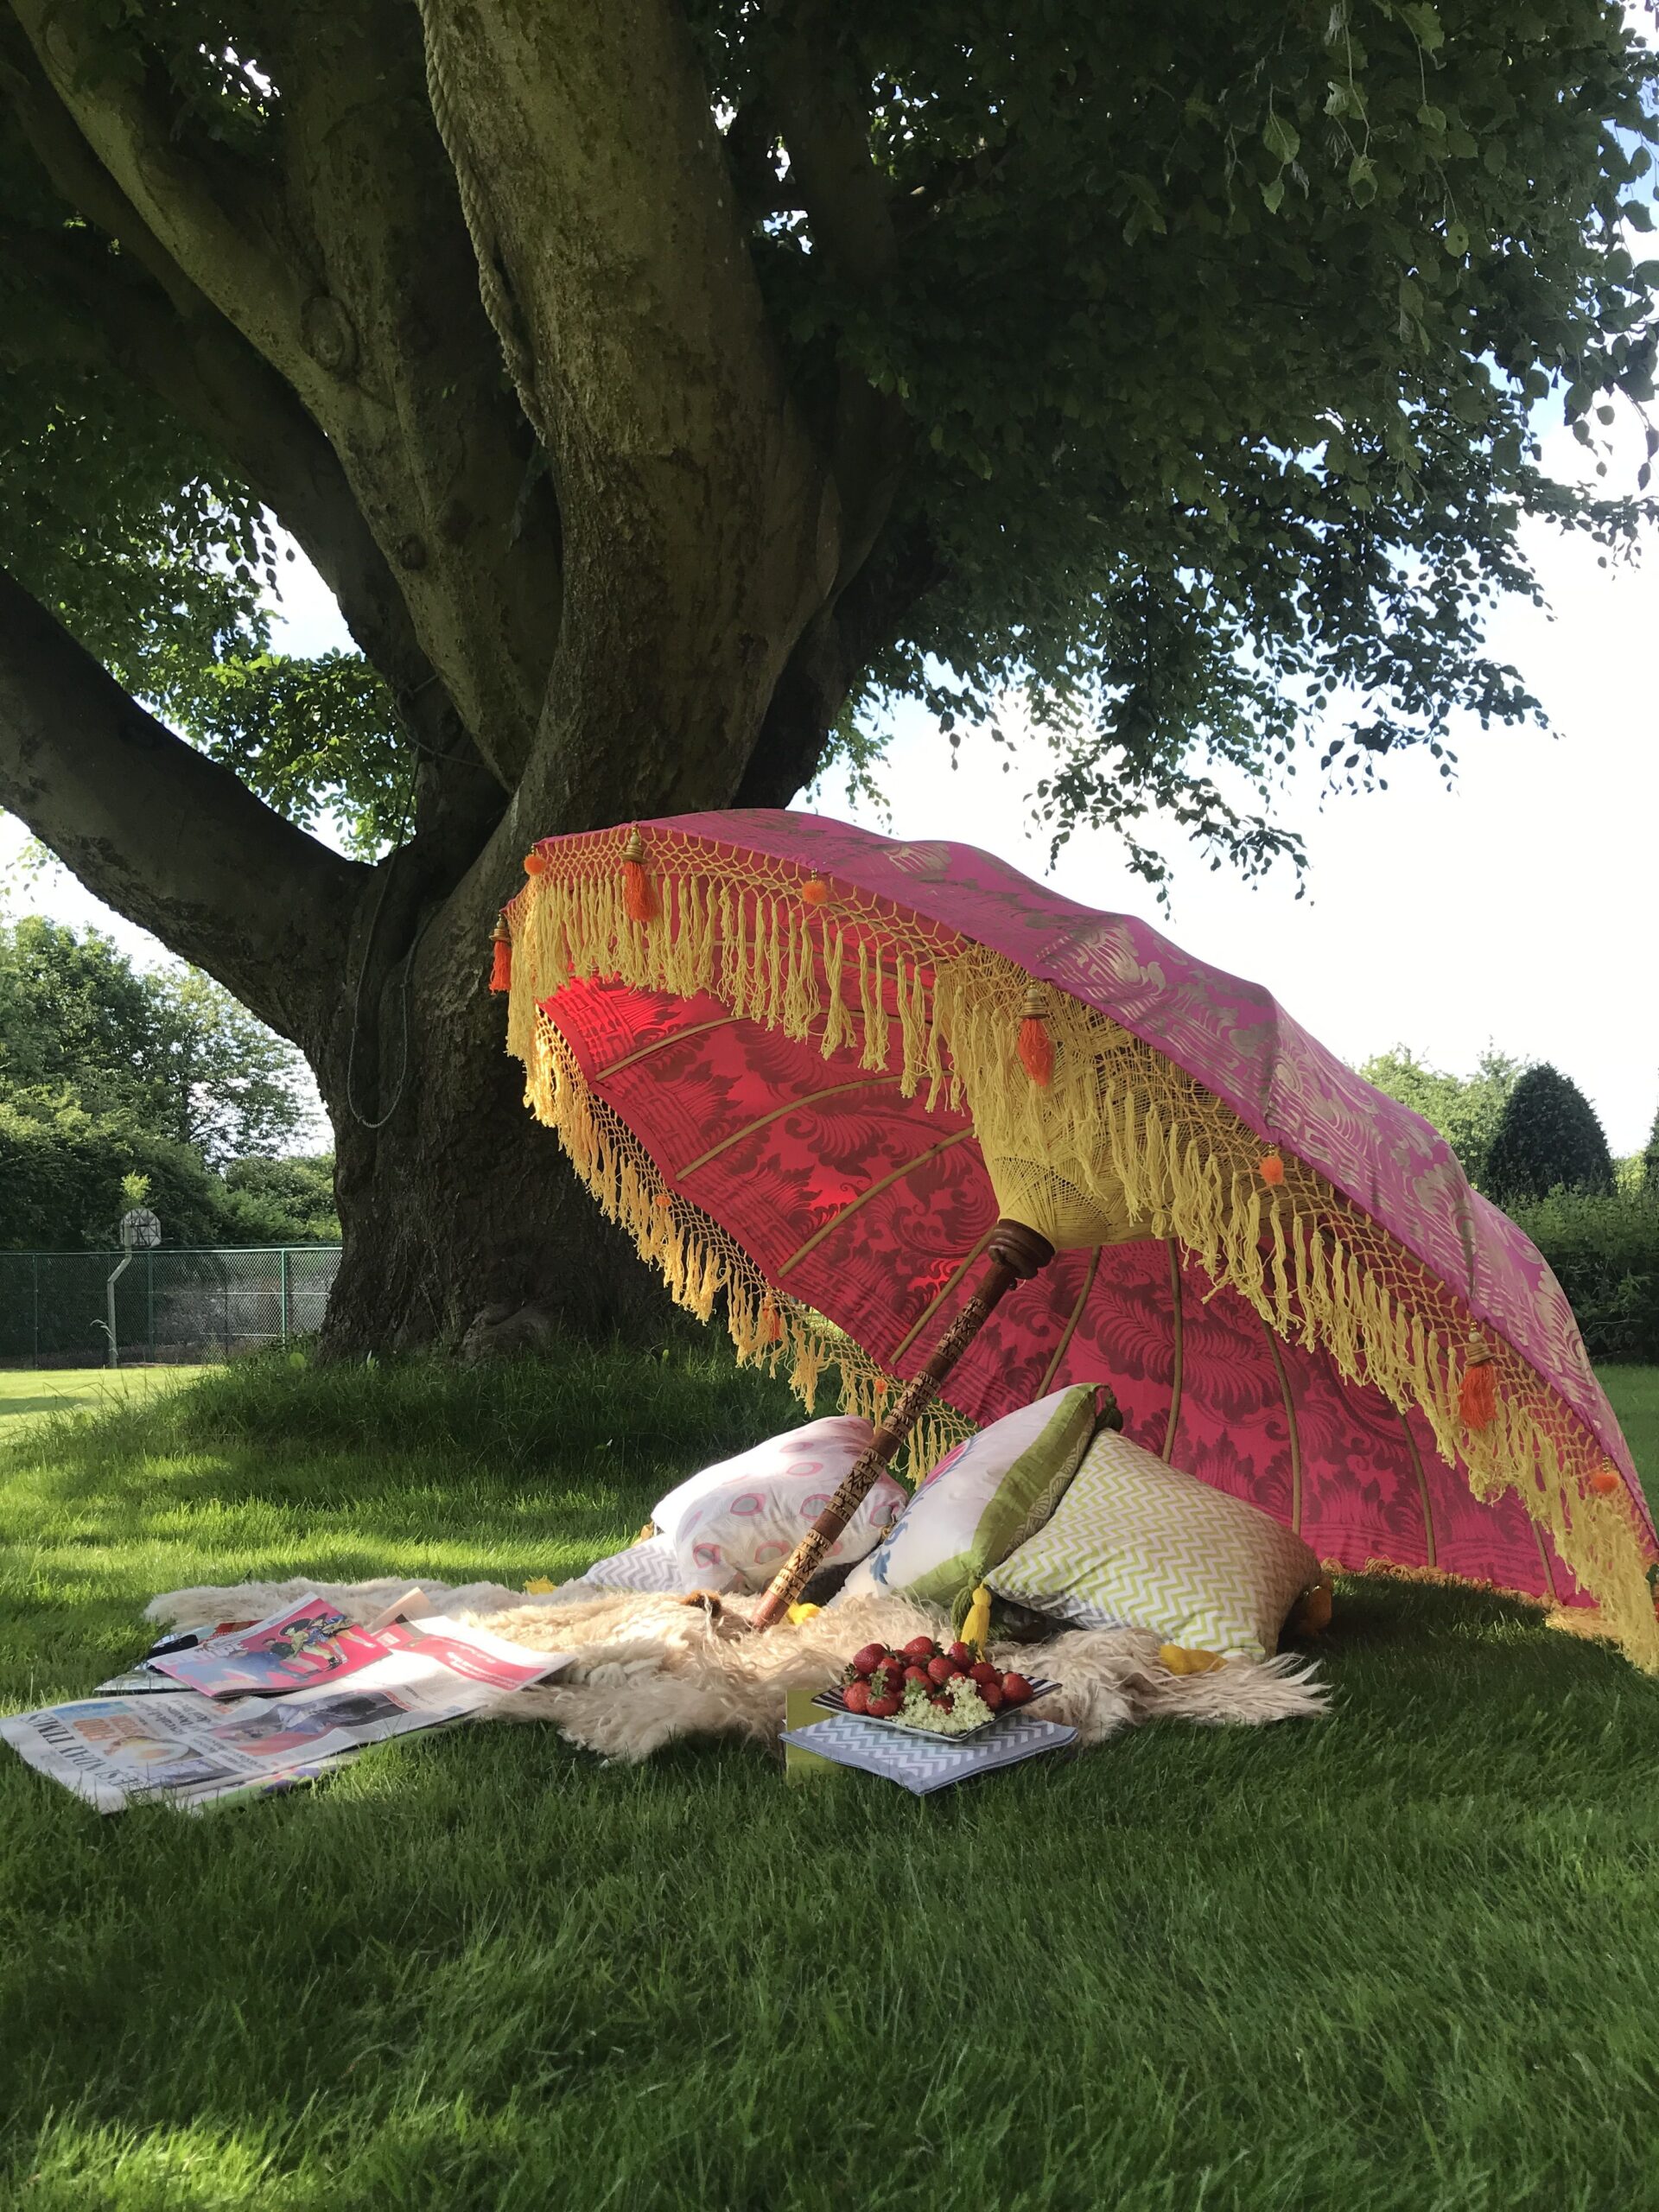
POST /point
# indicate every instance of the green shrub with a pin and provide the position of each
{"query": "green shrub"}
(61, 1171)
(1548, 1139)
(1604, 1250)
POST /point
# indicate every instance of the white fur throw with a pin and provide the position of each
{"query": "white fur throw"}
(649, 1670)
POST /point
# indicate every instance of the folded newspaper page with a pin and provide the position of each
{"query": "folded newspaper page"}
(190, 1751)
(308, 1642)
(117, 1751)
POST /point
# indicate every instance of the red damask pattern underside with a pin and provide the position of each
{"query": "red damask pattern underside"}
(864, 1206)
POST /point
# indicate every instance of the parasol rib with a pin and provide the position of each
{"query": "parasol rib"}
(789, 1106)
(938, 1298)
(661, 1044)
(1292, 1430)
(1422, 1491)
(886, 1183)
(1071, 1329)
(1178, 1328)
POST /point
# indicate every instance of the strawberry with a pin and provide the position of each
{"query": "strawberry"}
(984, 1674)
(914, 1674)
(867, 1661)
(882, 1708)
(1016, 1690)
(921, 1649)
(991, 1693)
(941, 1669)
(962, 1655)
(857, 1697)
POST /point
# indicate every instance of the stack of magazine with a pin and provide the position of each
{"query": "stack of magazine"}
(254, 1708)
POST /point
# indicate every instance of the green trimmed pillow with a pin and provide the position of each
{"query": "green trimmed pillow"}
(982, 1500)
(1135, 1543)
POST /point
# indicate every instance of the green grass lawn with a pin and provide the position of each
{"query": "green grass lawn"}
(80, 1390)
(1400, 1958)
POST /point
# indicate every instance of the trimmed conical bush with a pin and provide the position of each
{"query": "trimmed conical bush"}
(1548, 1139)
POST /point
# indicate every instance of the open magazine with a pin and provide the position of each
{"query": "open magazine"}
(307, 1642)
(194, 1750)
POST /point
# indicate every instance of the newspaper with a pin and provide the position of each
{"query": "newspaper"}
(194, 1750)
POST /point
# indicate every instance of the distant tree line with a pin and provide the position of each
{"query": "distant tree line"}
(108, 1070)
(1529, 1139)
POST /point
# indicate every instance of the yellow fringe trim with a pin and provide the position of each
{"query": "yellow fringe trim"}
(1120, 1138)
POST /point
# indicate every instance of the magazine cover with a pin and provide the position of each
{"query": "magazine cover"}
(307, 1642)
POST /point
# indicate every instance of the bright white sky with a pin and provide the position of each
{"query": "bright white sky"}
(1517, 908)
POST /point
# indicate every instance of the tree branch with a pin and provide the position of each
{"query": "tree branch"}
(819, 107)
(164, 836)
(834, 652)
(347, 271)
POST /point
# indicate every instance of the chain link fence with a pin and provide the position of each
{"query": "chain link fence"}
(183, 1306)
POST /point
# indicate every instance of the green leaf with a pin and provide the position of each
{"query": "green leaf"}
(1424, 22)
(1281, 139)
(1361, 179)
(1456, 240)
(1431, 118)
(1274, 193)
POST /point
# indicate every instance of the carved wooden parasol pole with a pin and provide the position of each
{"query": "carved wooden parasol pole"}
(1015, 1253)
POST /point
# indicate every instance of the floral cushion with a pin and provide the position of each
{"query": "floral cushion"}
(1135, 1543)
(733, 1526)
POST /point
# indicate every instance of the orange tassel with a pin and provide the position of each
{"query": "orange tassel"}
(1605, 1481)
(1477, 1395)
(534, 863)
(501, 961)
(1270, 1167)
(815, 892)
(1036, 1046)
(639, 894)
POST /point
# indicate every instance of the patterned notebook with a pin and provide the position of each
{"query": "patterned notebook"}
(920, 1765)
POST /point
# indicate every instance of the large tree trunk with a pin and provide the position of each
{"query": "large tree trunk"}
(464, 1226)
(635, 576)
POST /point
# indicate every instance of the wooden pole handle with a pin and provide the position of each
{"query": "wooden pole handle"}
(1015, 1253)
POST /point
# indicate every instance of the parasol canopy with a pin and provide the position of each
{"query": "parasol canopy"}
(809, 1068)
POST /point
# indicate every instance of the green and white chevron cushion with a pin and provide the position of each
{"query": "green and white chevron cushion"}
(1134, 1543)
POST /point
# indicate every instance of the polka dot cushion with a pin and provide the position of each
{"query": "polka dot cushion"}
(1134, 1543)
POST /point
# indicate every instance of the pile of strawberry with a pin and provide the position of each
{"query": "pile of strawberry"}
(878, 1679)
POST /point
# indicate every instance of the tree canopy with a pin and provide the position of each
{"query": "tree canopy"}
(172, 1049)
(107, 1072)
(662, 385)
(1466, 1109)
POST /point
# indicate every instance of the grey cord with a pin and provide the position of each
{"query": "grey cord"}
(352, 1107)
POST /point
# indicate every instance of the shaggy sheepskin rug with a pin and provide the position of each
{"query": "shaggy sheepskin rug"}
(648, 1670)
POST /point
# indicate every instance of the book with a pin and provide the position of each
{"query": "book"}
(920, 1765)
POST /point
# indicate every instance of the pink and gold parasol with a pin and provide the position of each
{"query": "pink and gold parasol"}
(838, 1083)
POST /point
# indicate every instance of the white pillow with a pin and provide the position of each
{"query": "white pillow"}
(1136, 1544)
(837, 1439)
(983, 1498)
(740, 1530)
